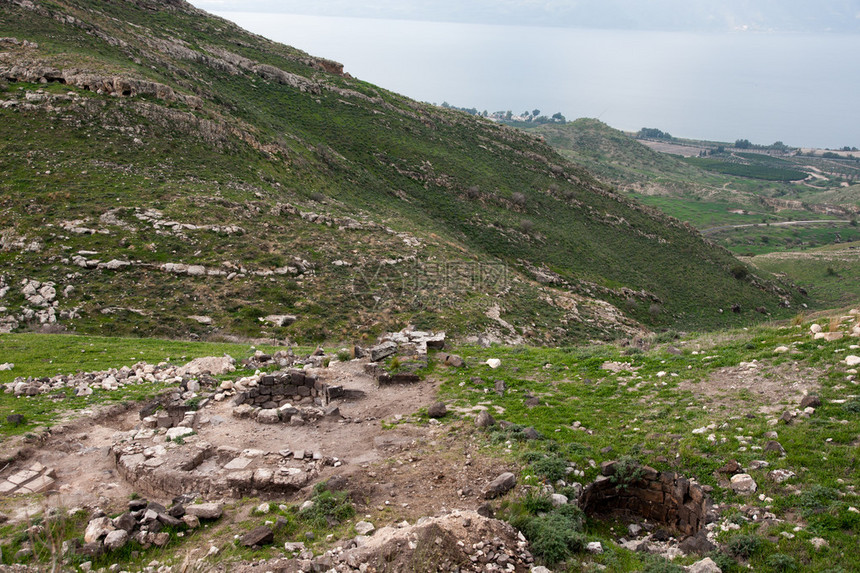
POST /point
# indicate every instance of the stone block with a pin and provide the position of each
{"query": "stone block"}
(205, 510)
(7, 487)
(38, 485)
(263, 477)
(382, 351)
(259, 536)
(241, 480)
(238, 463)
(650, 495)
(297, 378)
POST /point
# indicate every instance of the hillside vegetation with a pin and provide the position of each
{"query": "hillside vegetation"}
(167, 173)
(730, 186)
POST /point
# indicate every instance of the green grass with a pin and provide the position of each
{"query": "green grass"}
(40, 355)
(722, 189)
(462, 186)
(646, 416)
(830, 274)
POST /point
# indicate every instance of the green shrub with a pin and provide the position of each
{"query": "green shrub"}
(329, 507)
(554, 533)
(344, 355)
(627, 471)
(743, 546)
(663, 566)
(852, 405)
(816, 499)
(554, 537)
(782, 562)
(740, 272)
(536, 503)
(724, 561)
(551, 468)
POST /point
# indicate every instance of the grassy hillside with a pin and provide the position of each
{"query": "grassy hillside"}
(830, 274)
(172, 174)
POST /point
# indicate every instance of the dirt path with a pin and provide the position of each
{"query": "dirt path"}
(779, 224)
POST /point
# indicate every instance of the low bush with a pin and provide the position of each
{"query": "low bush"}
(744, 546)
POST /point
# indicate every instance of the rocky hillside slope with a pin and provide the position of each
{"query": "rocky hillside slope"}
(167, 173)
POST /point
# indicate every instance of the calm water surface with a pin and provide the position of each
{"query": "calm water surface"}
(800, 89)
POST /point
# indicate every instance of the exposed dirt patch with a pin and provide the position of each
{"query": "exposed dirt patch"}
(397, 467)
(756, 387)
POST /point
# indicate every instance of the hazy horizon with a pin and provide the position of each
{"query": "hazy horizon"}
(795, 16)
(712, 86)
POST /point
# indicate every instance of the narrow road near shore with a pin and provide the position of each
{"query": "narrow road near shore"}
(780, 224)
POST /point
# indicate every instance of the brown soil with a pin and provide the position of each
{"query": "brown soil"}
(396, 466)
(773, 388)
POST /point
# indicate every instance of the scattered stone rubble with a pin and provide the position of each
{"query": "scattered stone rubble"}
(411, 347)
(848, 325)
(461, 540)
(143, 522)
(112, 379)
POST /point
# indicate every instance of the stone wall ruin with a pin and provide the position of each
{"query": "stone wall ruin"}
(664, 497)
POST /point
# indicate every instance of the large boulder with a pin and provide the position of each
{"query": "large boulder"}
(437, 410)
(98, 528)
(116, 539)
(205, 510)
(500, 486)
(743, 484)
(214, 365)
(259, 536)
(484, 419)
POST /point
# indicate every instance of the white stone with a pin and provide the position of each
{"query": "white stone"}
(558, 499)
(594, 547)
(280, 320)
(815, 328)
(494, 362)
(97, 528)
(852, 360)
(780, 349)
(115, 264)
(781, 475)
(239, 463)
(116, 539)
(6, 366)
(364, 528)
(706, 565)
(179, 432)
(743, 484)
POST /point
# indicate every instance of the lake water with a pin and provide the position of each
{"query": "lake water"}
(799, 89)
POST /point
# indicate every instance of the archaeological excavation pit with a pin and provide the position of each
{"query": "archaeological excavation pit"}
(641, 492)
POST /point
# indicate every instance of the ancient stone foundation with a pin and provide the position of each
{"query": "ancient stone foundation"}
(641, 491)
(279, 389)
